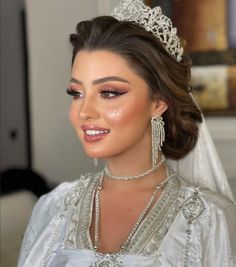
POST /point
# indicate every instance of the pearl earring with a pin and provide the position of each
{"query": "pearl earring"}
(95, 162)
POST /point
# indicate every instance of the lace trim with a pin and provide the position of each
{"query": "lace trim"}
(78, 201)
(71, 201)
(84, 216)
(153, 246)
(155, 225)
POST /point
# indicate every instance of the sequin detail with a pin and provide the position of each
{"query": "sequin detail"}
(192, 208)
(152, 230)
(107, 260)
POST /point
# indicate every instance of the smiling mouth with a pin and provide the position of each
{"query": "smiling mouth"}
(91, 136)
(95, 132)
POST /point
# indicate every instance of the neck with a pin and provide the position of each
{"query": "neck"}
(132, 162)
(131, 168)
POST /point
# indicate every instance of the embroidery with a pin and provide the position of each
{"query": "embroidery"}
(69, 200)
(84, 215)
(151, 232)
(192, 208)
(107, 260)
(154, 227)
(153, 246)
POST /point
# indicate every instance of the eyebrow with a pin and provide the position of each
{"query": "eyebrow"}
(101, 80)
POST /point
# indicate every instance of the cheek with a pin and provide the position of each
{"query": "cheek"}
(73, 115)
(115, 115)
(127, 114)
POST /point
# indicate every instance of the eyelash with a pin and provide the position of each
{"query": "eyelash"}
(74, 93)
(105, 93)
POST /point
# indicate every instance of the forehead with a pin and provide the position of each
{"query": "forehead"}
(101, 63)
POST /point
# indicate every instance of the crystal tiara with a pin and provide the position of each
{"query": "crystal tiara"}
(151, 20)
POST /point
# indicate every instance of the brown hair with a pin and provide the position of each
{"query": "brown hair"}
(167, 79)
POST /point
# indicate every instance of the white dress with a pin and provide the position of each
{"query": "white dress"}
(188, 226)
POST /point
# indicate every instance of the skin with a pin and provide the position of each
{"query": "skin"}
(112, 96)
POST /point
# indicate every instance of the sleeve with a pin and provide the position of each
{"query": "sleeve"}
(221, 242)
(31, 232)
(45, 208)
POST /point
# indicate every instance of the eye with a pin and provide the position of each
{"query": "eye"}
(74, 93)
(110, 93)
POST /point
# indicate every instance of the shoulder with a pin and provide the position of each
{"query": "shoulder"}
(61, 197)
(200, 205)
(50, 208)
(210, 199)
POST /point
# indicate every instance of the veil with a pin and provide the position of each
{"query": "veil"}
(202, 166)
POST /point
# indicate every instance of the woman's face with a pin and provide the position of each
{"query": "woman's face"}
(111, 109)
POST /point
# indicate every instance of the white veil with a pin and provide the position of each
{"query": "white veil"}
(202, 165)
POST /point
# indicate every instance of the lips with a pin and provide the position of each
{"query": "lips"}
(94, 133)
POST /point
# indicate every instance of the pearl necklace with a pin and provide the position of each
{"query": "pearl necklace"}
(112, 259)
(155, 167)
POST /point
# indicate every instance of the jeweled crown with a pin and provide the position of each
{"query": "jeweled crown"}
(151, 20)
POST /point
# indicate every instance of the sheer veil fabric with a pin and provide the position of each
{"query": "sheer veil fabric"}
(202, 166)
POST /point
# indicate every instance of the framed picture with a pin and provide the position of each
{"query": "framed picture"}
(214, 88)
(208, 32)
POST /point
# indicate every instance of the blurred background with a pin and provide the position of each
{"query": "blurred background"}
(39, 148)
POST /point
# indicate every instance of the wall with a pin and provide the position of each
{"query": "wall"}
(56, 151)
(223, 131)
(13, 87)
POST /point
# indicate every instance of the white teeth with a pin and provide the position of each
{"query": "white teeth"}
(93, 132)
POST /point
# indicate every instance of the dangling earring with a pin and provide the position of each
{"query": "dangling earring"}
(95, 162)
(158, 137)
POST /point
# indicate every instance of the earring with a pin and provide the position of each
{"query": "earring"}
(158, 137)
(95, 162)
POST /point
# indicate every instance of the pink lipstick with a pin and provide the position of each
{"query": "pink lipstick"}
(94, 133)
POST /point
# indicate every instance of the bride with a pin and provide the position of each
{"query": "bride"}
(162, 198)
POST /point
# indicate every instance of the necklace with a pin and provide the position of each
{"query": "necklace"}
(155, 167)
(112, 259)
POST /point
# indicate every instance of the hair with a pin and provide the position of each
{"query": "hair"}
(167, 79)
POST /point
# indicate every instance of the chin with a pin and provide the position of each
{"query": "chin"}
(96, 153)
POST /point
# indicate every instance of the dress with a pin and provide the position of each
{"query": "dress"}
(58, 235)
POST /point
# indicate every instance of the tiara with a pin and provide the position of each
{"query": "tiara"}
(151, 20)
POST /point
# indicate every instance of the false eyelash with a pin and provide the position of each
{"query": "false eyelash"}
(115, 92)
(71, 92)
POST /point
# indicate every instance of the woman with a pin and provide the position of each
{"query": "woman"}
(132, 107)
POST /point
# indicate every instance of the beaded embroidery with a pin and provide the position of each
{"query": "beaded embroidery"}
(107, 260)
(154, 227)
(192, 209)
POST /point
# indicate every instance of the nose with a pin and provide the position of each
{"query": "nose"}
(88, 109)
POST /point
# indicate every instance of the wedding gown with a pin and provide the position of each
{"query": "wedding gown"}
(187, 226)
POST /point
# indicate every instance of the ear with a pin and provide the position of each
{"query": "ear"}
(159, 107)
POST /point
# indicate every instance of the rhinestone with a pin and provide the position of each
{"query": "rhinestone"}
(188, 231)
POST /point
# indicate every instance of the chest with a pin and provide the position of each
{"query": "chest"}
(119, 218)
